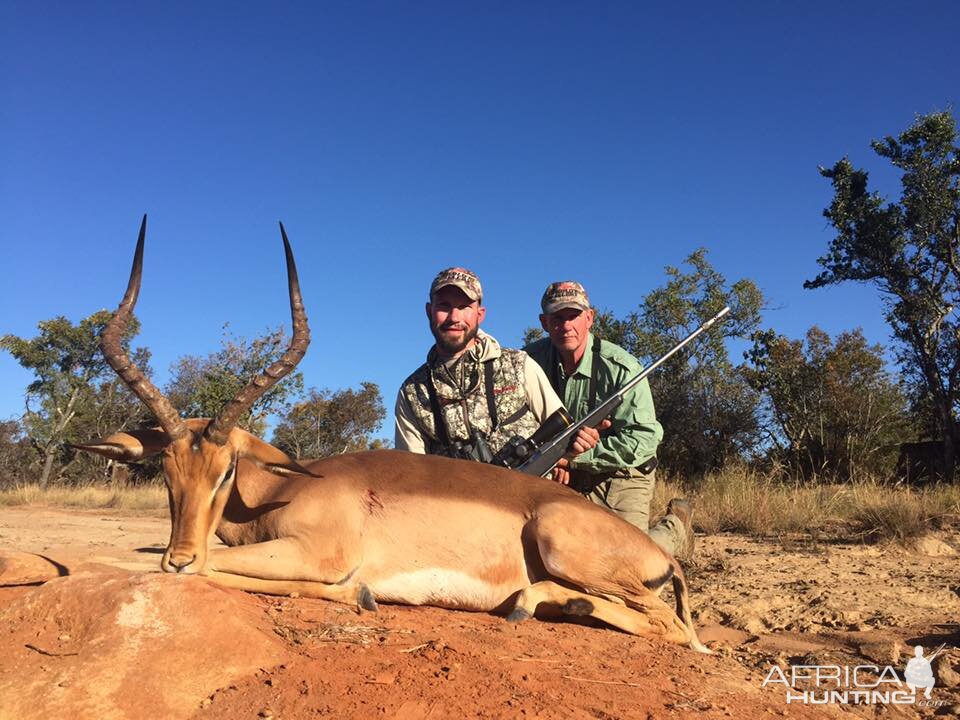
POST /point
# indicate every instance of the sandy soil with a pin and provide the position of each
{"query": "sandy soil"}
(758, 603)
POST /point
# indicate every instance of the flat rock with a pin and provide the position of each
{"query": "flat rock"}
(114, 645)
(933, 546)
(22, 568)
(882, 652)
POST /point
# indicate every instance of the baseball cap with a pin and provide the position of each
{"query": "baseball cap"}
(458, 277)
(564, 294)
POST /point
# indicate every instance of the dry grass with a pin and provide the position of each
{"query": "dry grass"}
(743, 501)
(901, 513)
(149, 499)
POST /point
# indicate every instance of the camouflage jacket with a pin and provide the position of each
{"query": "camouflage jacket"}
(522, 396)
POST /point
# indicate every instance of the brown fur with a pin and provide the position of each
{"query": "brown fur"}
(395, 526)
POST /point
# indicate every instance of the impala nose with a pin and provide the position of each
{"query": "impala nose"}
(181, 562)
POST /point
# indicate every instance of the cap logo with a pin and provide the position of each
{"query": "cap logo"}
(564, 294)
(459, 274)
(458, 277)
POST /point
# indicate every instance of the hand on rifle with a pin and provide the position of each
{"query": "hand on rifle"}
(586, 439)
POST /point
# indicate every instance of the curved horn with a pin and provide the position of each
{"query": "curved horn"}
(218, 430)
(112, 347)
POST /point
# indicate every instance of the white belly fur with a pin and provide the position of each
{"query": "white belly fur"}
(442, 588)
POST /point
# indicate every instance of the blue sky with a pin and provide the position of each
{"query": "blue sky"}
(529, 142)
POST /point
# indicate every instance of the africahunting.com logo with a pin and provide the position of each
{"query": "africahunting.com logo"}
(860, 684)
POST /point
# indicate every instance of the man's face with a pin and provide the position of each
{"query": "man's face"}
(454, 320)
(568, 328)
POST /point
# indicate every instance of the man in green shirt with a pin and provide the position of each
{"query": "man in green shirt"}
(619, 473)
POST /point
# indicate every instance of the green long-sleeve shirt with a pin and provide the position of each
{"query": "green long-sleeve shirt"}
(635, 433)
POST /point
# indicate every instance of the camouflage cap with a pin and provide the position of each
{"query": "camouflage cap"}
(458, 277)
(564, 294)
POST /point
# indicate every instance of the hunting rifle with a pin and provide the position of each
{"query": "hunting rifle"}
(541, 451)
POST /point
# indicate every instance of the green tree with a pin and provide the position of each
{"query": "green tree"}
(109, 406)
(706, 407)
(69, 370)
(908, 250)
(328, 423)
(16, 455)
(833, 410)
(531, 334)
(202, 386)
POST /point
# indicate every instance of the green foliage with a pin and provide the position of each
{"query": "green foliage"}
(16, 455)
(328, 423)
(202, 386)
(909, 250)
(72, 389)
(530, 335)
(706, 407)
(832, 409)
(62, 353)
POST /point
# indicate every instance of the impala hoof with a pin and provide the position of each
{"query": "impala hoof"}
(518, 615)
(700, 647)
(366, 600)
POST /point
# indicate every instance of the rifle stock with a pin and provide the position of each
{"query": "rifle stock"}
(542, 461)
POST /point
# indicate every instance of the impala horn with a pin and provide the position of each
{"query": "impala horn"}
(111, 344)
(218, 430)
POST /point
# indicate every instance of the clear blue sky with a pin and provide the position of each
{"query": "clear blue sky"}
(530, 142)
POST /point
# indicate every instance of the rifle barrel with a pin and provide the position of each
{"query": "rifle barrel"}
(676, 348)
(550, 448)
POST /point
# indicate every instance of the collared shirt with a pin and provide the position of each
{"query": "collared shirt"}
(635, 433)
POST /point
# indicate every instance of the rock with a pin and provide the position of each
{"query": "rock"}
(21, 568)
(852, 617)
(944, 673)
(706, 616)
(143, 645)
(933, 546)
(886, 652)
(751, 624)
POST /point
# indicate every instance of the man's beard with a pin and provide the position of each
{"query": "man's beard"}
(449, 347)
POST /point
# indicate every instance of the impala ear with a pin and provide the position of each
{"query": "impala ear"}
(129, 446)
(267, 456)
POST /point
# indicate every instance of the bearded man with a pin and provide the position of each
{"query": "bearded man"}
(471, 395)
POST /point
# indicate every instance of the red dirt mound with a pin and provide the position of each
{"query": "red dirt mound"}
(110, 644)
(106, 643)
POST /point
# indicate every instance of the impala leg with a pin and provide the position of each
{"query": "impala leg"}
(280, 559)
(653, 618)
(354, 593)
(281, 567)
(637, 582)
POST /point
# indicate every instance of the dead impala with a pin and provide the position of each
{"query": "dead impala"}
(384, 525)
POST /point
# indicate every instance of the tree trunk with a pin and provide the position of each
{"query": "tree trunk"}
(949, 453)
(948, 430)
(50, 451)
(119, 474)
(47, 467)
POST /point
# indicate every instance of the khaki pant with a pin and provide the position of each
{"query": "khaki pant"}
(628, 493)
